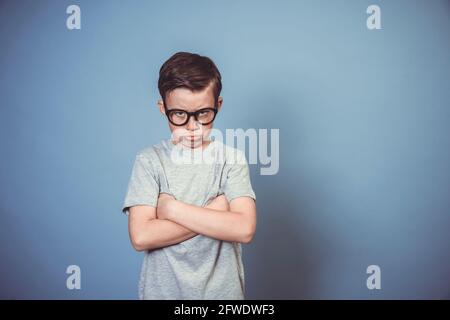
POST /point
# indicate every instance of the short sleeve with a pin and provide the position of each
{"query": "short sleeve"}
(143, 187)
(238, 182)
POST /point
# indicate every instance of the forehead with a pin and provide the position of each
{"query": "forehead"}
(189, 100)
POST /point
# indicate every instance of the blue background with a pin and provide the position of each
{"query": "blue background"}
(364, 140)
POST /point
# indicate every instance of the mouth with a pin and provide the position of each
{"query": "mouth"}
(193, 138)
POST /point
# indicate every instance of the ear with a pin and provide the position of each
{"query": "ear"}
(161, 107)
(219, 103)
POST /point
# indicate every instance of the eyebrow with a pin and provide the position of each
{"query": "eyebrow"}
(182, 108)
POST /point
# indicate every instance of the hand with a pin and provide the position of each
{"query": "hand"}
(165, 206)
(219, 203)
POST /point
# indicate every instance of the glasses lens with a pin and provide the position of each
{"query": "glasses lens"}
(178, 117)
(205, 116)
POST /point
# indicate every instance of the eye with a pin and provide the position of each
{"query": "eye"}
(179, 113)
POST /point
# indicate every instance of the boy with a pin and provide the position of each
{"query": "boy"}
(190, 218)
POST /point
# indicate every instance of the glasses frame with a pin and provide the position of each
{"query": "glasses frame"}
(190, 114)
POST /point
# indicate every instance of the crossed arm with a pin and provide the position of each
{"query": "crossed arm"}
(174, 221)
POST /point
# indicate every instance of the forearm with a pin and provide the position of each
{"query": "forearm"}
(222, 225)
(159, 233)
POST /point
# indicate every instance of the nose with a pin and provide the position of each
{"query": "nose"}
(192, 124)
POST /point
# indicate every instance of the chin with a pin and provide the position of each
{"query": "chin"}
(196, 143)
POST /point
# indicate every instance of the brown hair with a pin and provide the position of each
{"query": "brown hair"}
(191, 71)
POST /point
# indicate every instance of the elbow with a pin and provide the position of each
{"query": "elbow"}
(138, 248)
(248, 234)
(139, 243)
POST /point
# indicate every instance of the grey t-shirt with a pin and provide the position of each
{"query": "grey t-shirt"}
(200, 267)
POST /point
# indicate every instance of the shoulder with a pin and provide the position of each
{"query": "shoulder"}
(146, 153)
(149, 154)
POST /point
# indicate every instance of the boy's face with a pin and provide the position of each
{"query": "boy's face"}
(193, 134)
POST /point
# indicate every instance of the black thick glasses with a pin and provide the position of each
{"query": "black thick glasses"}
(180, 117)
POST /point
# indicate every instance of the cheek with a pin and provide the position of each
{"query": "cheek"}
(177, 132)
(206, 130)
